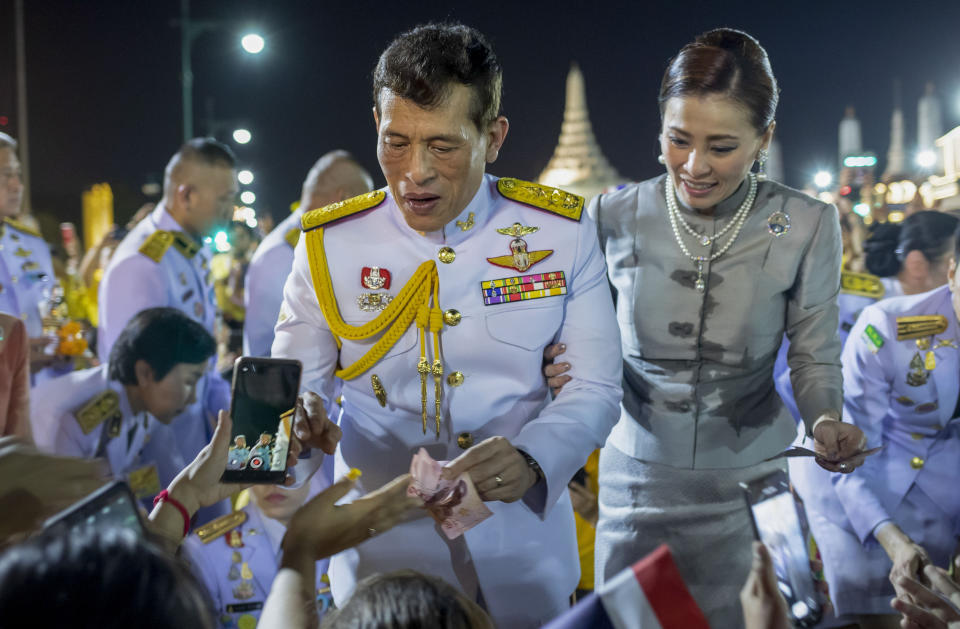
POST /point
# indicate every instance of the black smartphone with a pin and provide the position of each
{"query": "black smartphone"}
(264, 397)
(113, 505)
(777, 523)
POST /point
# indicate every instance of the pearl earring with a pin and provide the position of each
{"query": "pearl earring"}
(762, 156)
(661, 159)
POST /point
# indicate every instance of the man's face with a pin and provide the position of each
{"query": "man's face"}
(240, 442)
(209, 195)
(264, 440)
(279, 503)
(171, 395)
(11, 185)
(433, 159)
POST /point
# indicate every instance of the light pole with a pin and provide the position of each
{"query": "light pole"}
(189, 31)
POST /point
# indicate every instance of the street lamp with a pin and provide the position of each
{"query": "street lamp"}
(926, 159)
(822, 179)
(245, 177)
(242, 136)
(252, 43)
(189, 31)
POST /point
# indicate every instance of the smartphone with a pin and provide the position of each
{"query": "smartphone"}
(112, 505)
(262, 405)
(777, 523)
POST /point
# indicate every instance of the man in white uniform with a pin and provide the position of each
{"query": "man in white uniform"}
(335, 177)
(433, 300)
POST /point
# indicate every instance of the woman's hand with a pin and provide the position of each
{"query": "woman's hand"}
(839, 445)
(922, 607)
(909, 558)
(555, 372)
(321, 528)
(763, 606)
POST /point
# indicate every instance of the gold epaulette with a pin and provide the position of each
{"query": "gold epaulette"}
(920, 326)
(292, 237)
(862, 284)
(97, 411)
(341, 209)
(17, 225)
(542, 197)
(221, 526)
(185, 244)
(156, 245)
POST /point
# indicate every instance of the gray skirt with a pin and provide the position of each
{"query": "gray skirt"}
(700, 514)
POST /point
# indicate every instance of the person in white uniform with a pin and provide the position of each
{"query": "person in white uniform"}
(162, 262)
(433, 300)
(335, 177)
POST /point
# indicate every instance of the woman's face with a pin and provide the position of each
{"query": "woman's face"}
(709, 146)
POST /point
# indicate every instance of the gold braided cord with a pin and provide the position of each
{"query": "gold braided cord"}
(395, 318)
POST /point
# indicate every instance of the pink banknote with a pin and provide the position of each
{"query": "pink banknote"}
(454, 504)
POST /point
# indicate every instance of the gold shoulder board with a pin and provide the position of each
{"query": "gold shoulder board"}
(862, 284)
(292, 237)
(221, 526)
(98, 410)
(156, 245)
(186, 245)
(542, 197)
(17, 225)
(341, 209)
(920, 326)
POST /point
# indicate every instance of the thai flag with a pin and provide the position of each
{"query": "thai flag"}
(649, 595)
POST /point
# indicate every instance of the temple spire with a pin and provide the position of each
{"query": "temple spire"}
(578, 165)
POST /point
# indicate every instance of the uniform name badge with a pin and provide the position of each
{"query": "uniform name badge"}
(144, 482)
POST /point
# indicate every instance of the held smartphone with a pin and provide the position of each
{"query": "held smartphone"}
(112, 505)
(777, 523)
(264, 397)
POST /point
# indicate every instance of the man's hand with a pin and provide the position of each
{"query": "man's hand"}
(839, 445)
(553, 371)
(40, 359)
(921, 607)
(908, 558)
(322, 528)
(584, 502)
(311, 425)
(498, 471)
(763, 607)
(34, 486)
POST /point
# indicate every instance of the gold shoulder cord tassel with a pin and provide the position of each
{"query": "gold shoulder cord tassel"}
(413, 303)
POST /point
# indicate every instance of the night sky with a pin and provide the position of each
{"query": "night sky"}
(104, 92)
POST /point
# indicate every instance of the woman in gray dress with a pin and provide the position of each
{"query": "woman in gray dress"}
(711, 265)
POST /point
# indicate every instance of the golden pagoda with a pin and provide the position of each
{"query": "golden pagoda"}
(577, 164)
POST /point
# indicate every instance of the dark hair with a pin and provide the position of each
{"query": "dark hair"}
(407, 600)
(99, 579)
(928, 231)
(421, 64)
(164, 337)
(207, 151)
(727, 62)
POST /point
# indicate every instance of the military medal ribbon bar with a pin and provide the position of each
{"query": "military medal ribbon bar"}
(523, 287)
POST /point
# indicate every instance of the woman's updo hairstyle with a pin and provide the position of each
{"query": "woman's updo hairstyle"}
(929, 232)
(727, 62)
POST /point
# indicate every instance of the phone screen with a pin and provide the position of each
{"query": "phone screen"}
(112, 505)
(264, 396)
(776, 523)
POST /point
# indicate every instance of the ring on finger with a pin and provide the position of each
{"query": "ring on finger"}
(499, 480)
(843, 467)
(372, 531)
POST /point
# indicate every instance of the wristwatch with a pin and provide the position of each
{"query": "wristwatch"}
(533, 465)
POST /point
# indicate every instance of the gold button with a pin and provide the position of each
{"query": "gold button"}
(916, 463)
(456, 379)
(451, 317)
(446, 255)
(464, 440)
(14, 278)
(916, 436)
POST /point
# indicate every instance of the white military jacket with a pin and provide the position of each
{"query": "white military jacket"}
(496, 322)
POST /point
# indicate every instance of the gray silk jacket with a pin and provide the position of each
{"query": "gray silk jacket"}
(698, 368)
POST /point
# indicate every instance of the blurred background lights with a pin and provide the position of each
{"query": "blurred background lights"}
(242, 136)
(248, 197)
(245, 177)
(822, 179)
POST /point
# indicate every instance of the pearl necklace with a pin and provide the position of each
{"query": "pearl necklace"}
(736, 223)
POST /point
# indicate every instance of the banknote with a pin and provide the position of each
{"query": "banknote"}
(454, 504)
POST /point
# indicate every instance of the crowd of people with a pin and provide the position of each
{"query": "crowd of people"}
(677, 338)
